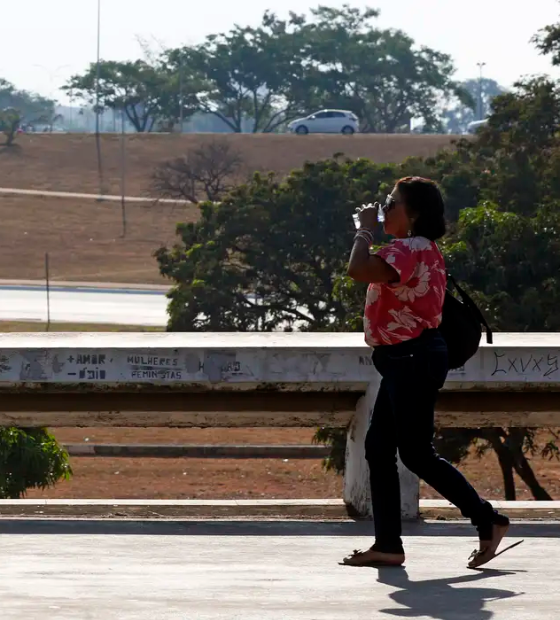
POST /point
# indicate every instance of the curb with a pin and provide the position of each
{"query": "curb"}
(173, 451)
(442, 509)
(175, 509)
(314, 509)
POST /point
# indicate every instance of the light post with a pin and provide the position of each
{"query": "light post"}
(181, 112)
(480, 66)
(97, 98)
(123, 173)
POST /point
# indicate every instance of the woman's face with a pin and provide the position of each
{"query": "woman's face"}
(397, 222)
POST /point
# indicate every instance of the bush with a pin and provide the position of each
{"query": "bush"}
(10, 120)
(30, 459)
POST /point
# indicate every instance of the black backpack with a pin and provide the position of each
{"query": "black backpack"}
(461, 326)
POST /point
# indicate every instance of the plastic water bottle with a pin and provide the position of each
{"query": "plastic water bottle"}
(380, 214)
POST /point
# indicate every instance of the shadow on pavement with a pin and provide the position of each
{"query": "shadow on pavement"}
(255, 528)
(438, 599)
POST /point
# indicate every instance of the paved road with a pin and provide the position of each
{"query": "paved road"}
(216, 571)
(83, 305)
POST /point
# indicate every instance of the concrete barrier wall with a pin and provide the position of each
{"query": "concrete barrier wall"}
(515, 381)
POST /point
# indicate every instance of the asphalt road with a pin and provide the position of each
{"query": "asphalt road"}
(84, 305)
(250, 571)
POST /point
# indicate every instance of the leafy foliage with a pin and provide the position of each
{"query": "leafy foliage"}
(547, 41)
(380, 75)
(260, 78)
(10, 120)
(30, 458)
(336, 439)
(251, 73)
(32, 108)
(269, 253)
(148, 92)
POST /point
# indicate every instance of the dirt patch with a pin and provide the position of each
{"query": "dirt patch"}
(112, 478)
(83, 239)
(68, 162)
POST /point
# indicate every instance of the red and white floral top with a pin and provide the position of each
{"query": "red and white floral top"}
(402, 311)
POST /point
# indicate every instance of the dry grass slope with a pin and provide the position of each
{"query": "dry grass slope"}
(83, 236)
(68, 162)
(83, 239)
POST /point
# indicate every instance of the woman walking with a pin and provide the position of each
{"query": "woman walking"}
(407, 283)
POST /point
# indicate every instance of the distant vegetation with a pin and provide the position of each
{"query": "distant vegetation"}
(258, 79)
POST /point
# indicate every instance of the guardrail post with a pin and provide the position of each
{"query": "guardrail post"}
(356, 477)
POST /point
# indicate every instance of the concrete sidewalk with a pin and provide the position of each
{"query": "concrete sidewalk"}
(278, 571)
(12, 191)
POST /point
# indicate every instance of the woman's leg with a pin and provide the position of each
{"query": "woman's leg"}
(415, 440)
(381, 455)
(413, 383)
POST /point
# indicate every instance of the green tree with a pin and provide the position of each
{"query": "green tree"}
(263, 77)
(511, 263)
(10, 121)
(547, 41)
(381, 75)
(32, 108)
(30, 459)
(269, 252)
(150, 94)
(254, 75)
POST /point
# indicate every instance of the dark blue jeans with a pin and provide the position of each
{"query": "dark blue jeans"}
(403, 419)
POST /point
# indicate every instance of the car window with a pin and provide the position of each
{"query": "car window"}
(338, 115)
(322, 115)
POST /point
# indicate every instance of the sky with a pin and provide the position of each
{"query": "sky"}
(50, 41)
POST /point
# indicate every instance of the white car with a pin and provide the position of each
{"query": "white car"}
(326, 121)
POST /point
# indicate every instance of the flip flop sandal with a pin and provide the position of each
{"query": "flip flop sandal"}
(479, 557)
(372, 558)
(488, 548)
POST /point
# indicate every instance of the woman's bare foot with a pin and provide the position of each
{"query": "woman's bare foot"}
(372, 557)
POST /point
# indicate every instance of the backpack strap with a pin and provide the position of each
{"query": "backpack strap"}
(475, 309)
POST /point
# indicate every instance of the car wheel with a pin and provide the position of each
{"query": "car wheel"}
(302, 130)
(347, 130)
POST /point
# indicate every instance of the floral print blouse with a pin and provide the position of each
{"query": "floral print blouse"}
(402, 311)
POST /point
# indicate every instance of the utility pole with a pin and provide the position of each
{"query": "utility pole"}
(123, 173)
(480, 114)
(181, 111)
(97, 99)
